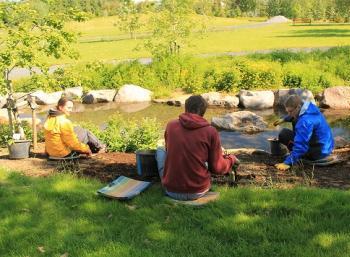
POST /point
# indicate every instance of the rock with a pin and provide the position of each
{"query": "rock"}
(133, 94)
(231, 101)
(4, 117)
(256, 99)
(20, 95)
(278, 19)
(281, 95)
(243, 121)
(29, 121)
(2, 101)
(43, 98)
(340, 142)
(217, 99)
(336, 98)
(99, 96)
(74, 92)
(178, 101)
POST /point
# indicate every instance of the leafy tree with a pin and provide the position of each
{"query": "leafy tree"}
(129, 18)
(28, 38)
(171, 28)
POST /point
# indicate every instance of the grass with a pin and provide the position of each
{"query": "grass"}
(275, 36)
(62, 214)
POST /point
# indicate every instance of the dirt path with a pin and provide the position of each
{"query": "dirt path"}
(256, 169)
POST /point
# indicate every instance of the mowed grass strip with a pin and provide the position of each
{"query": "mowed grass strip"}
(273, 36)
(62, 214)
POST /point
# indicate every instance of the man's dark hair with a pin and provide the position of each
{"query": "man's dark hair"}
(293, 101)
(196, 104)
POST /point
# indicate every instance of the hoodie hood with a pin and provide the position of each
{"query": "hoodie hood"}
(53, 121)
(192, 121)
(55, 113)
(309, 108)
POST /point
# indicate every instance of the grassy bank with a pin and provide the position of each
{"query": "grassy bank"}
(281, 69)
(102, 40)
(61, 214)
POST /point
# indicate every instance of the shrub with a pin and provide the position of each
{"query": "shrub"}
(124, 135)
(228, 81)
(6, 136)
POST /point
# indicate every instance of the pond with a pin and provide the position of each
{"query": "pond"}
(100, 113)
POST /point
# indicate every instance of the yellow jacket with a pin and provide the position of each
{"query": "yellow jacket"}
(60, 138)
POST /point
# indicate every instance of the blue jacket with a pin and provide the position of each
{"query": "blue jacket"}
(310, 123)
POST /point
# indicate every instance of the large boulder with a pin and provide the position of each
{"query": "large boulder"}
(43, 98)
(74, 92)
(4, 116)
(217, 99)
(2, 101)
(133, 94)
(99, 96)
(336, 98)
(281, 95)
(256, 99)
(243, 121)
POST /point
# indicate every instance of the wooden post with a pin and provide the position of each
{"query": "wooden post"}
(9, 101)
(35, 134)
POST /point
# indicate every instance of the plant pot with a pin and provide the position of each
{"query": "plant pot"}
(19, 149)
(275, 147)
(146, 163)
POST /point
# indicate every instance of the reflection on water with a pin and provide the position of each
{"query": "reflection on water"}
(100, 113)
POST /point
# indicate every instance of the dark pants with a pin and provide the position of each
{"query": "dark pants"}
(286, 137)
(86, 137)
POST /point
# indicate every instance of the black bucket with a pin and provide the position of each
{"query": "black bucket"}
(19, 149)
(275, 147)
(146, 163)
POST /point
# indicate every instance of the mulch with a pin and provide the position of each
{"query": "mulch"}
(256, 169)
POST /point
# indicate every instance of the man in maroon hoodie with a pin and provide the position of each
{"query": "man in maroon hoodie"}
(193, 151)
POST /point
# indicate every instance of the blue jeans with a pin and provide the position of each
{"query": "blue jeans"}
(160, 158)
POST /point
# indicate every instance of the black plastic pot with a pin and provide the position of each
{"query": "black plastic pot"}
(275, 147)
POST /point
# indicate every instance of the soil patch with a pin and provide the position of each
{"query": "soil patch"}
(256, 169)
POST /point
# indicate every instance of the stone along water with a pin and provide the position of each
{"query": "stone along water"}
(100, 113)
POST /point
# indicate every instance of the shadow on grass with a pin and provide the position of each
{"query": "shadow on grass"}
(319, 33)
(321, 25)
(63, 215)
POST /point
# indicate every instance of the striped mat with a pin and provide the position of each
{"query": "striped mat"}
(124, 188)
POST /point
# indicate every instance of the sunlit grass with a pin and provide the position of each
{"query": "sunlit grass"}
(275, 36)
(62, 214)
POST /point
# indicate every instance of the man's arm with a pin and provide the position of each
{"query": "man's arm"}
(217, 163)
(303, 133)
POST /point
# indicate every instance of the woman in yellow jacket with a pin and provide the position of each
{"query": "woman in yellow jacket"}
(61, 140)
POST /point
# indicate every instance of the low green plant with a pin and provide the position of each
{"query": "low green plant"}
(127, 135)
(6, 136)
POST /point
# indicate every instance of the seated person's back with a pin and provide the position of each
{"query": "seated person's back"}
(193, 151)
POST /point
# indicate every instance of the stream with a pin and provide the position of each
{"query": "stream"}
(100, 113)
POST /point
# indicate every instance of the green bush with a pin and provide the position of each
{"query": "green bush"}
(124, 135)
(228, 81)
(6, 136)
(315, 71)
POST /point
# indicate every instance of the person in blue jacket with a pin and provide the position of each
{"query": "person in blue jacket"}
(311, 137)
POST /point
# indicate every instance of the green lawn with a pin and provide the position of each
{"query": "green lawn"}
(274, 36)
(62, 214)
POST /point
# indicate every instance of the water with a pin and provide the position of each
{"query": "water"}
(100, 113)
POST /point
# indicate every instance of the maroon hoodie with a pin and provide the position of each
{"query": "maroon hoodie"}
(191, 143)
